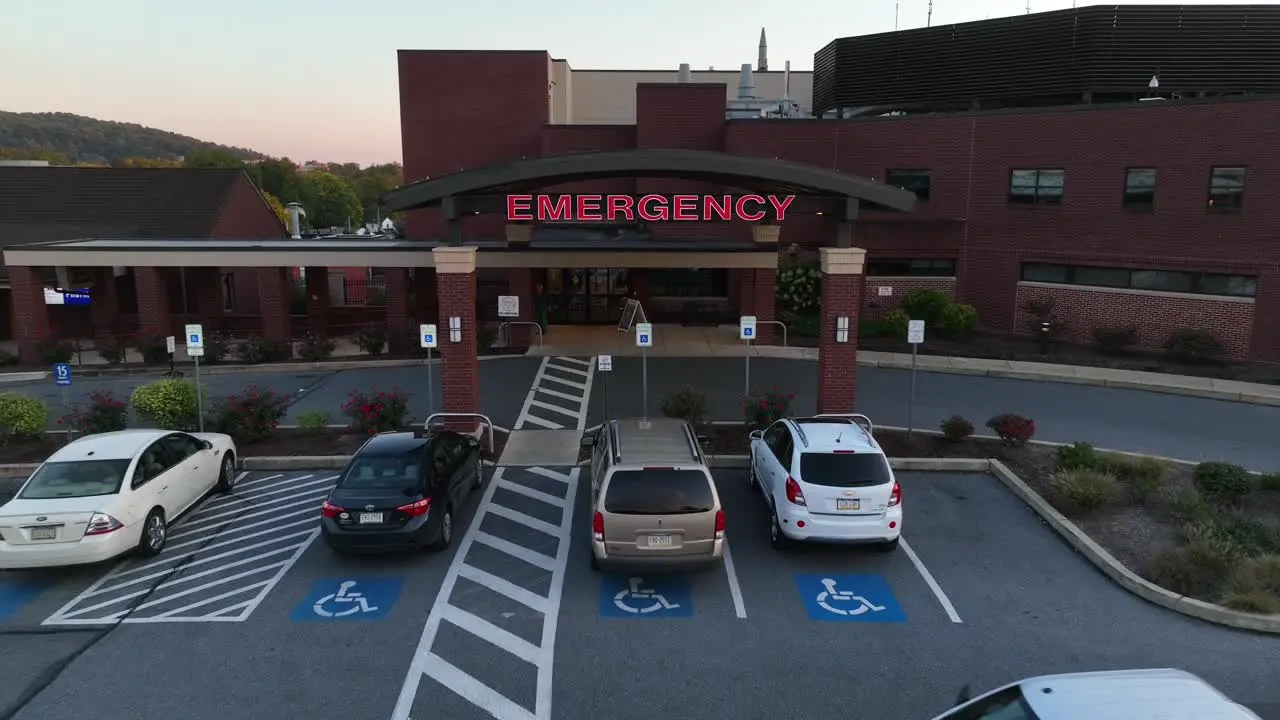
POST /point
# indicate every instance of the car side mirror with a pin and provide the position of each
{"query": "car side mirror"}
(588, 441)
(206, 444)
(757, 435)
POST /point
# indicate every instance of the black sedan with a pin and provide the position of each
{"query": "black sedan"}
(401, 490)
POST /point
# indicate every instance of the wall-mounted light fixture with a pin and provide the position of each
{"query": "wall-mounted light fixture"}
(842, 329)
(455, 329)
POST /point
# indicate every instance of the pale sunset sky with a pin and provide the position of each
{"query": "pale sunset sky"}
(316, 79)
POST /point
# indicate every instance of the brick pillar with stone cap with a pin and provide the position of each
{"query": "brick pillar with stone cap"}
(459, 361)
(764, 284)
(30, 314)
(842, 272)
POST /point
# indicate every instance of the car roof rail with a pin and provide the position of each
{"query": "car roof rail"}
(804, 439)
(858, 419)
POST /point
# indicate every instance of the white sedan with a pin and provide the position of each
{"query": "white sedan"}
(108, 494)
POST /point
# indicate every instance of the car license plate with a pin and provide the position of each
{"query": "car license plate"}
(660, 541)
(370, 518)
(848, 504)
(44, 533)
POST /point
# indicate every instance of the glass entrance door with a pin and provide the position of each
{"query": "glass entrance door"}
(586, 296)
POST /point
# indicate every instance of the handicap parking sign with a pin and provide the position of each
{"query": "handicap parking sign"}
(658, 596)
(62, 374)
(367, 598)
(856, 598)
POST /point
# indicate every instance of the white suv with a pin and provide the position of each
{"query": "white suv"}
(825, 479)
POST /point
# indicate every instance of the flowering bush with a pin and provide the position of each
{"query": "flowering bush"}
(377, 410)
(800, 288)
(1013, 429)
(105, 413)
(764, 410)
(249, 417)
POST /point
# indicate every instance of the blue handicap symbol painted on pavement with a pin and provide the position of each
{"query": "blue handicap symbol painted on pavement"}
(16, 593)
(367, 598)
(659, 596)
(857, 598)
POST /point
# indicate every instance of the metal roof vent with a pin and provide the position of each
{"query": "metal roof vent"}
(685, 75)
(746, 83)
(295, 224)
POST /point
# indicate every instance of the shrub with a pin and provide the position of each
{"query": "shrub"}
(925, 304)
(376, 411)
(112, 351)
(1196, 569)
(8, 359)
(1221, 482)
(764, 410)
(897, 321)
(1077, 456)
(958, 320)
(258, 350)
(314, 348)
(1254, 586)
(800, 287)
(21, 416)
(372, 340)
(1269, 482)
(1076, 491)
(956, 429)
(313, 422)
(1143, 475)
(105, 413)
(867, 329)
(1042, 313)
(251, 416)
(1013, 429)
(167, 404)
(686, 404)
(217, 348)
(55, 351)
(154, 349)
(1237, 533)
(1194, 345)
(1115, 340)
(1191, 506)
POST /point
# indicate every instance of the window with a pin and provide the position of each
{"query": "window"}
(75, 479)
(384, 472)
(658, 492)
(1226, 187)
(1178, 281)
(1007, 704)
(181, 447)
(1037, 187)
(844, 469)
(689, 283)
(1139, 188)
(914, 181)
(228, 292)
(911, 268)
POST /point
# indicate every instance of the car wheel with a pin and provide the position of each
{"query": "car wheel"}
(227, 475)
(155, 533)
(889, 546)
(445, 538)
(776, 538)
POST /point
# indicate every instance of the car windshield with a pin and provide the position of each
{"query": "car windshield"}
(844, 469)
(383, 472)
(658, 492)
(1007, 704)
(76, 478)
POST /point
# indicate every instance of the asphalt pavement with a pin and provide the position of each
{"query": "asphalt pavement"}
(513, 619)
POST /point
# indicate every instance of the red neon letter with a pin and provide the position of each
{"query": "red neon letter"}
(621, 204)
(780, 205)
(740, 208)
(518, 207)
(645, 207)
(721, 207)
(589, 208)
(548, 211)
(686, 207)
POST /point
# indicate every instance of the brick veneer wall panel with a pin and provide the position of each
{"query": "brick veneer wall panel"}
(153, 301)
(875, 306)
(680, 116)
(838, 362)
(273, 304)
(560, 139)
(397, 313)
(764, 288)
(30, 314)
(460, 374)
(105, 307)
(318, 301)
(1155, 316)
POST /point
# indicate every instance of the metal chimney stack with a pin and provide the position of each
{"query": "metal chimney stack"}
(746, 83)
(685, 75)
(295, 223)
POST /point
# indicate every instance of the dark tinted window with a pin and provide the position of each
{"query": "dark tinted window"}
(914, 181)
(658, 492)
(844, 469)
(1007, 704)
(383, 472)
(79, 478)
(1139, 187)
(911, 268)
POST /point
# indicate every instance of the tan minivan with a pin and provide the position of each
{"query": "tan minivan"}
(653, 502)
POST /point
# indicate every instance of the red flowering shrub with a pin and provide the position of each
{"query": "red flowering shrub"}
(377, 410)
(105, 413)
(1013, 429)
(251, 416)
(764, 410)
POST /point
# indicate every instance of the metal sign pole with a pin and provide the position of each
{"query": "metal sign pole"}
(746, 392)
(431, 386)
(199, 393)
(911, 401)
(644, 379)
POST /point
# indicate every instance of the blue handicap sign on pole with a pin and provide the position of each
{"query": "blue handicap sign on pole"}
(193, 339)
(748, 332)
(644, 337)
(428, 339)
(62, 373)
(362, 598)
(658, 596)
(14, 594)
(855, 598)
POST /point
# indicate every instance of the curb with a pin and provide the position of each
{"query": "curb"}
(1123, 576)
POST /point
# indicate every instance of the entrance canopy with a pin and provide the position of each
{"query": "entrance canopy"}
(484, 189)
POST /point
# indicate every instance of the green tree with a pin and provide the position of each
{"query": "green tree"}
(278, 207)
(329, 200)
(375, 182)
(212, 158)
(280, 178)
(144, 162)
(53, 157)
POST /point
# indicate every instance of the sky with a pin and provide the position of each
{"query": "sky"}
(316, 79)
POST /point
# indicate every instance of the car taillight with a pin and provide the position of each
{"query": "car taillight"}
(895, 495)
(719, 524)
(597, 526)
(101, 524)
(416, 508)
(794, 495)
(330, 510)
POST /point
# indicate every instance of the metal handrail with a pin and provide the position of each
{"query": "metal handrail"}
(468, 416)
(778, 323)
(504, 327)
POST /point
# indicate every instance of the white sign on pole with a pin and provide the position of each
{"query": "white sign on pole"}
(604, 363)
(195, 337)
(509, 306)
(644, 335)
(885, 290)
(915, 332)
(170, 344)
(747, 327)
(427, 336)
(195, 351)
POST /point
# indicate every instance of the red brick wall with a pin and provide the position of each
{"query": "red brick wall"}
(680, 116)
(29, 313)
(1154, 314)
(560, 139)
(875, 305)
(460, 374)
(838, 362)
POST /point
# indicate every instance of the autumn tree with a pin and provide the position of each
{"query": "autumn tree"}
(277, 207)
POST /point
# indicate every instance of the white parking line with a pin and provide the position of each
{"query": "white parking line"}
(933, 584)
(735, 590)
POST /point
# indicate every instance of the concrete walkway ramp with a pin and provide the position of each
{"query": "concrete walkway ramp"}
(542, 448)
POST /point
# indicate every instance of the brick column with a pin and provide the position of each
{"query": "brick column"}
(520, 284)
(456, 288)
(273, 304)
(30, 314)
(764, 287)
(206, 284)
(153, 301)
(318, 300)
(842, 270)
(104, 305)
(398, 317)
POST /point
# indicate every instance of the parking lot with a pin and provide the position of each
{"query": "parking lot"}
(246, 615)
